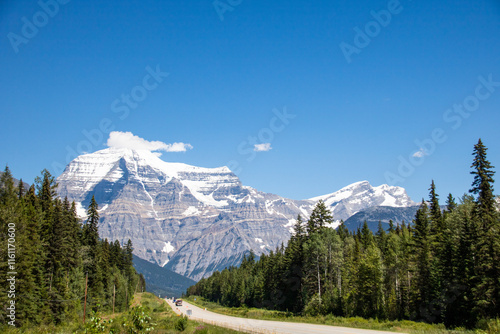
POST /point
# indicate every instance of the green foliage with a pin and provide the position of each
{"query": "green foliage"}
(181, 323)
(139, 322)
(97, 325)
(314, 307)
(53, 254)
(320, 216)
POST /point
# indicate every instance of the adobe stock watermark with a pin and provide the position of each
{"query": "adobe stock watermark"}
(222, 6)
(11, 274)
(372, 29)
(121, 107)
(454, 117)
(262, 141)
(31, 27)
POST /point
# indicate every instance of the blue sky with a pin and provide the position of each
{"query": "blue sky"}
(399, 99)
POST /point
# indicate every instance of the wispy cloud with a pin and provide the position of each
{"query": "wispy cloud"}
(420, 153)
(264, 147)
(119, 139)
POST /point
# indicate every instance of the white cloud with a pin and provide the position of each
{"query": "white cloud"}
(119, 139)
(420, 153)
(264, 147)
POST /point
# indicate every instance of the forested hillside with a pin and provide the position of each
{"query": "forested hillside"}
(160, 280)
(47, 257)
(441, 268)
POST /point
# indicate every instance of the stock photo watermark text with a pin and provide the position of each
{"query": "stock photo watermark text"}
(372, 29)
(11, 273)
(262, 141)
(222, 6)
(31, 27)
(121, 107)
(453, 116)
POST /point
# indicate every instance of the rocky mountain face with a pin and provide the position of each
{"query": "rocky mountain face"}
(384, 214)
(196, 220)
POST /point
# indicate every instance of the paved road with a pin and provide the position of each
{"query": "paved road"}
(262, 326)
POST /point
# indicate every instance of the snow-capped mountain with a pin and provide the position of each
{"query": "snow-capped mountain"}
(195, 220)
(361, 195)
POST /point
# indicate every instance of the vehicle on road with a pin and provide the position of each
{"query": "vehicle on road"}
(178, 302)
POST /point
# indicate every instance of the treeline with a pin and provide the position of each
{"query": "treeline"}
(442, 268)
(46, 255)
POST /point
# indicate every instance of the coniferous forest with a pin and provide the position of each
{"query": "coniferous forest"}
(47, 257)
(444, 267)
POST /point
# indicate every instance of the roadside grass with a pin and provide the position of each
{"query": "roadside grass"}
(146, 308)
(406, 326)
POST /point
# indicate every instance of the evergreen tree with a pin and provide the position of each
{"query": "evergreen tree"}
(46, 187)
(435, 209)
(459, 267)
(482, 186)
(437, 271)
(381, 237)
(21, 190)
(366, 236)
(294, 266)
(450, 203)
(391, 226)
(320, 217)
(298, 228)
(91, 228)
(422, 296)
(487, 271)
(7, 190)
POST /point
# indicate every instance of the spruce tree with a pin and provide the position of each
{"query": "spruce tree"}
(91, 228)
(482, 186)
(7, 190)
(435, 210)
(487, 272)
(450, 203)
(366, 236)
(422, 296)
(436, 238)
(46, 186)
(21, 190)
(391, 226)
(294, 266)
(298, 229)
(381, 237)
(320, 217)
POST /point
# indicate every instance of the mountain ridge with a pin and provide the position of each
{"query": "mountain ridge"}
(193, 219)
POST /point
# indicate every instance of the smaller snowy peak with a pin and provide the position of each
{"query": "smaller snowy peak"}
(344, 193)
(360, 196)
(384, 195)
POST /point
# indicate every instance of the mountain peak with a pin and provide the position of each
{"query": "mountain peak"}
(359, 195)
(193, 219)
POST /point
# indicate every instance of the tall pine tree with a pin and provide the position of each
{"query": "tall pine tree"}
(487, 272)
